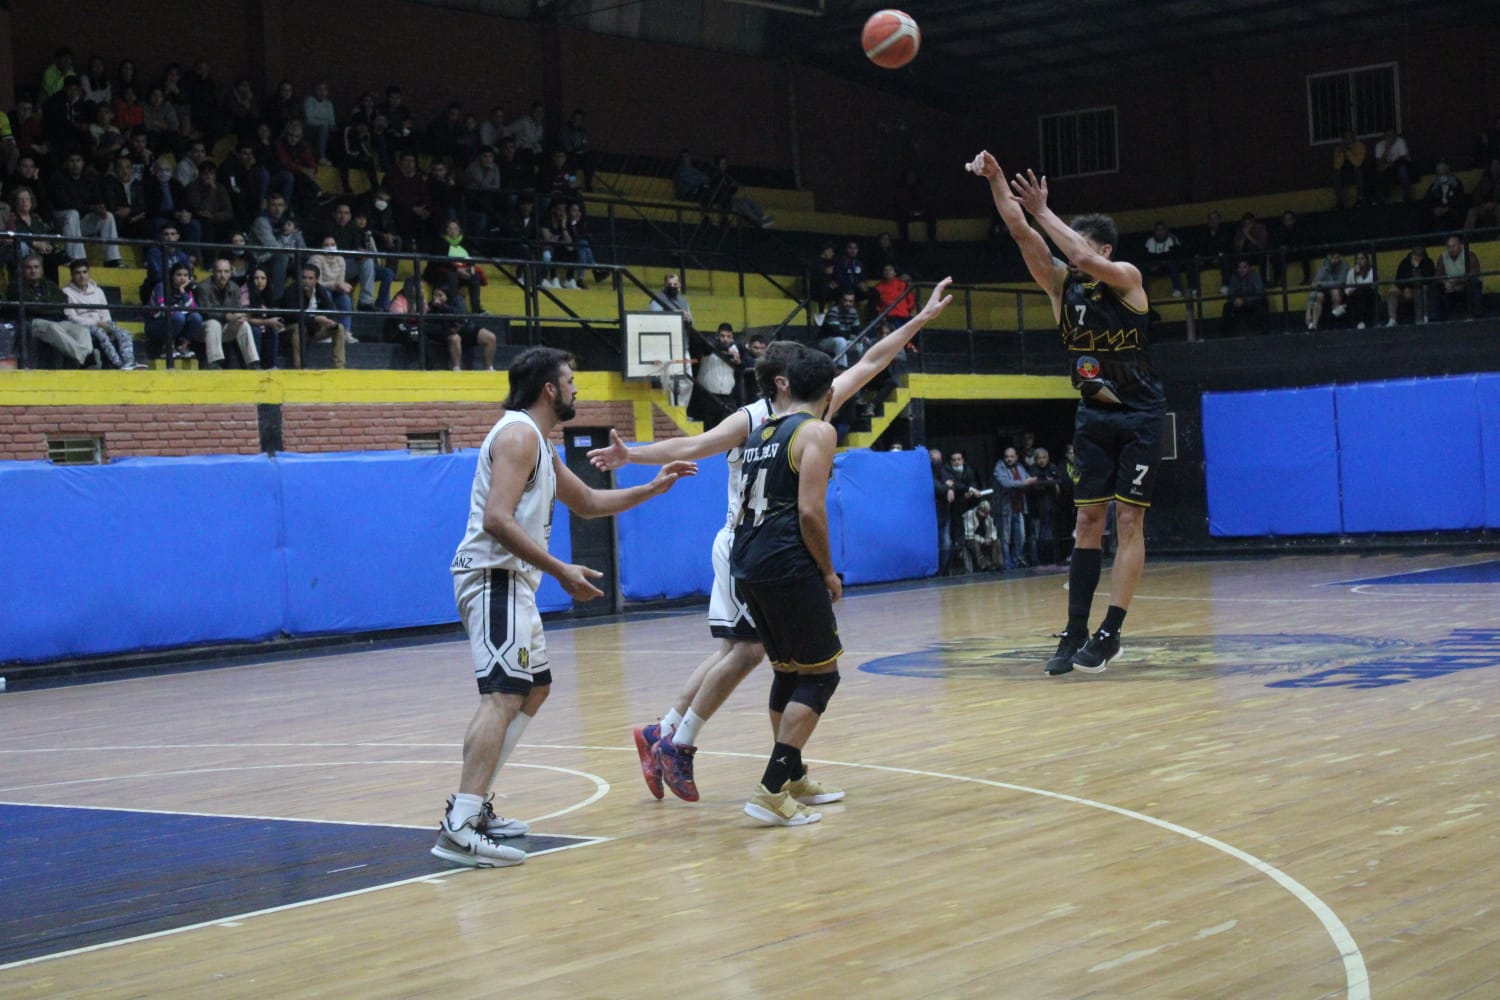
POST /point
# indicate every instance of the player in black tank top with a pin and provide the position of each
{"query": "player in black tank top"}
(768, 542)
(1104, 315)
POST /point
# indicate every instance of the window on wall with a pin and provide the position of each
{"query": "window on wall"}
(75, 450)
(1079, 143)
(1367, 99)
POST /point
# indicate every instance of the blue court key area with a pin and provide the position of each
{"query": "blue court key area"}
(163, 871)
(1483, 572)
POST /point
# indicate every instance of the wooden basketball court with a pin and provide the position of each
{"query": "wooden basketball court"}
(1287, 787)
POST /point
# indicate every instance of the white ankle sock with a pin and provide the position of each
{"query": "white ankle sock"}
(465, 808)
(687, 733)
(670, 721)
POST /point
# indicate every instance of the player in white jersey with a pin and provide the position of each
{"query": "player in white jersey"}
(667, 748)
(496, 571)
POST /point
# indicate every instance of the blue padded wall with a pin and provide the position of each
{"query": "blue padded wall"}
(664, 544)
(1271, 462)
(1487, 402)
(889, 529)
(1410, 456)
(138, 554)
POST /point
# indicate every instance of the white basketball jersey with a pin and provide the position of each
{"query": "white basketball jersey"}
(754, 414)
(480, 549)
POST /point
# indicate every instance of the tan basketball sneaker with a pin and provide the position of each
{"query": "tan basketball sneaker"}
(779, 809)
(811, 792)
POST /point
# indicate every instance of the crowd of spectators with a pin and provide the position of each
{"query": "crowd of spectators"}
(1020, 517)
(90, 153)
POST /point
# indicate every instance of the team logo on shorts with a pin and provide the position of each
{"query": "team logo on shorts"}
(523, 657)
(1087, 367)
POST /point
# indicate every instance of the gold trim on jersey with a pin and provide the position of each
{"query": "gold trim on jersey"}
(1091, 501)
(791, 444)
(794, 665)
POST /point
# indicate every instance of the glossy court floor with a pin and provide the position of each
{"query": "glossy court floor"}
(1287, 787)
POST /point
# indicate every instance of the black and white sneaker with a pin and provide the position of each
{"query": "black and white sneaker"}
(471, 845)
(1097, 652)
(499, 826)
(1062, 660)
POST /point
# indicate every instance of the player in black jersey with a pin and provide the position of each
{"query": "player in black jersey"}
(1104, 315)
(783, 567)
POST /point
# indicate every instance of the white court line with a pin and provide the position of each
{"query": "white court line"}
(1356, 975)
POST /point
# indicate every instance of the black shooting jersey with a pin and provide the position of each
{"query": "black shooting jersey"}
(768, 542)
(1107, 346)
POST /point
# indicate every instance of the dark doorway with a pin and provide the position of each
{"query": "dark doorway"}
(593, 539)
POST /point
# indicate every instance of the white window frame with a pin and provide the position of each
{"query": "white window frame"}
(1077, 116)
(1394, 67)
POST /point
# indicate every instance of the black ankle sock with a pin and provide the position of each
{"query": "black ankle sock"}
(785, 761)
(1083, 580)
(1114, 618)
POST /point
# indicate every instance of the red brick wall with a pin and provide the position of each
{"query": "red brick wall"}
(131, 431)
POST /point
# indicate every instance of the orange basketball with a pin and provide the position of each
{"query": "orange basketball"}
(891, 38)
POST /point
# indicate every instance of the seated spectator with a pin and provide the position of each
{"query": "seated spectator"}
(558, 180)
(1459, 286)
(248, 182)
(26, 125)
(25, 217)
(1392, 166)
(1289, 250)
(458, 270)
(162, 258)
(1361, 293)
(65, 120)
(1217, 244)
(723, 194)
(1485, 199)
(241, 263)
(125, 76)
(981, 540)
(444, 195)
(823, 281)
(446, 324)
(332, 278)
(529, 133)
(1487, 144)
(689, 183)
(281, 107)
(524, 229)
(1349, 168)
(266, 327)
(176, 320)
(57, 73)
(188, 163)
(10, 152)
(297, 157)
(96, 86)
(311, 317)
(483, 202)
(574, 140)
(44, 305)
(277, 229)
(367, 272)
(91, 309)
(159, 119)
(841, 327)
(78, 208)
(166, 201)
(583, 246)
(492, 129)
(373, 239)
(557, 248)
(264, 147)
(1163, 250)
(203, 101)
(1328, 285)
(1246, 300)
(1012, 481)
(442, 139)
(358, 150)
(1445, 199)
(319, 120)
(210, 204)
(171, 85)
(129, 112)
(394, 106)
(223, 302)
(717, 379)
(515, 173)
(106, 139)
(411, 199)
(897, 293)
(1251, 240)
(850, 271)
(672, 299)
(242, 109)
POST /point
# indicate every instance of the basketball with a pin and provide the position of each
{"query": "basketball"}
(891, 38)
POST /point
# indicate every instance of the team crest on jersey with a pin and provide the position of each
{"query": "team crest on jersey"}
(767, 434)
(1087, 367)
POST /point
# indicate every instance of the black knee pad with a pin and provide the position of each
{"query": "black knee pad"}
(783, 683)
(815, 690)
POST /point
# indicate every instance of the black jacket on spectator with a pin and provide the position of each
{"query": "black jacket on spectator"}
(80, 194)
